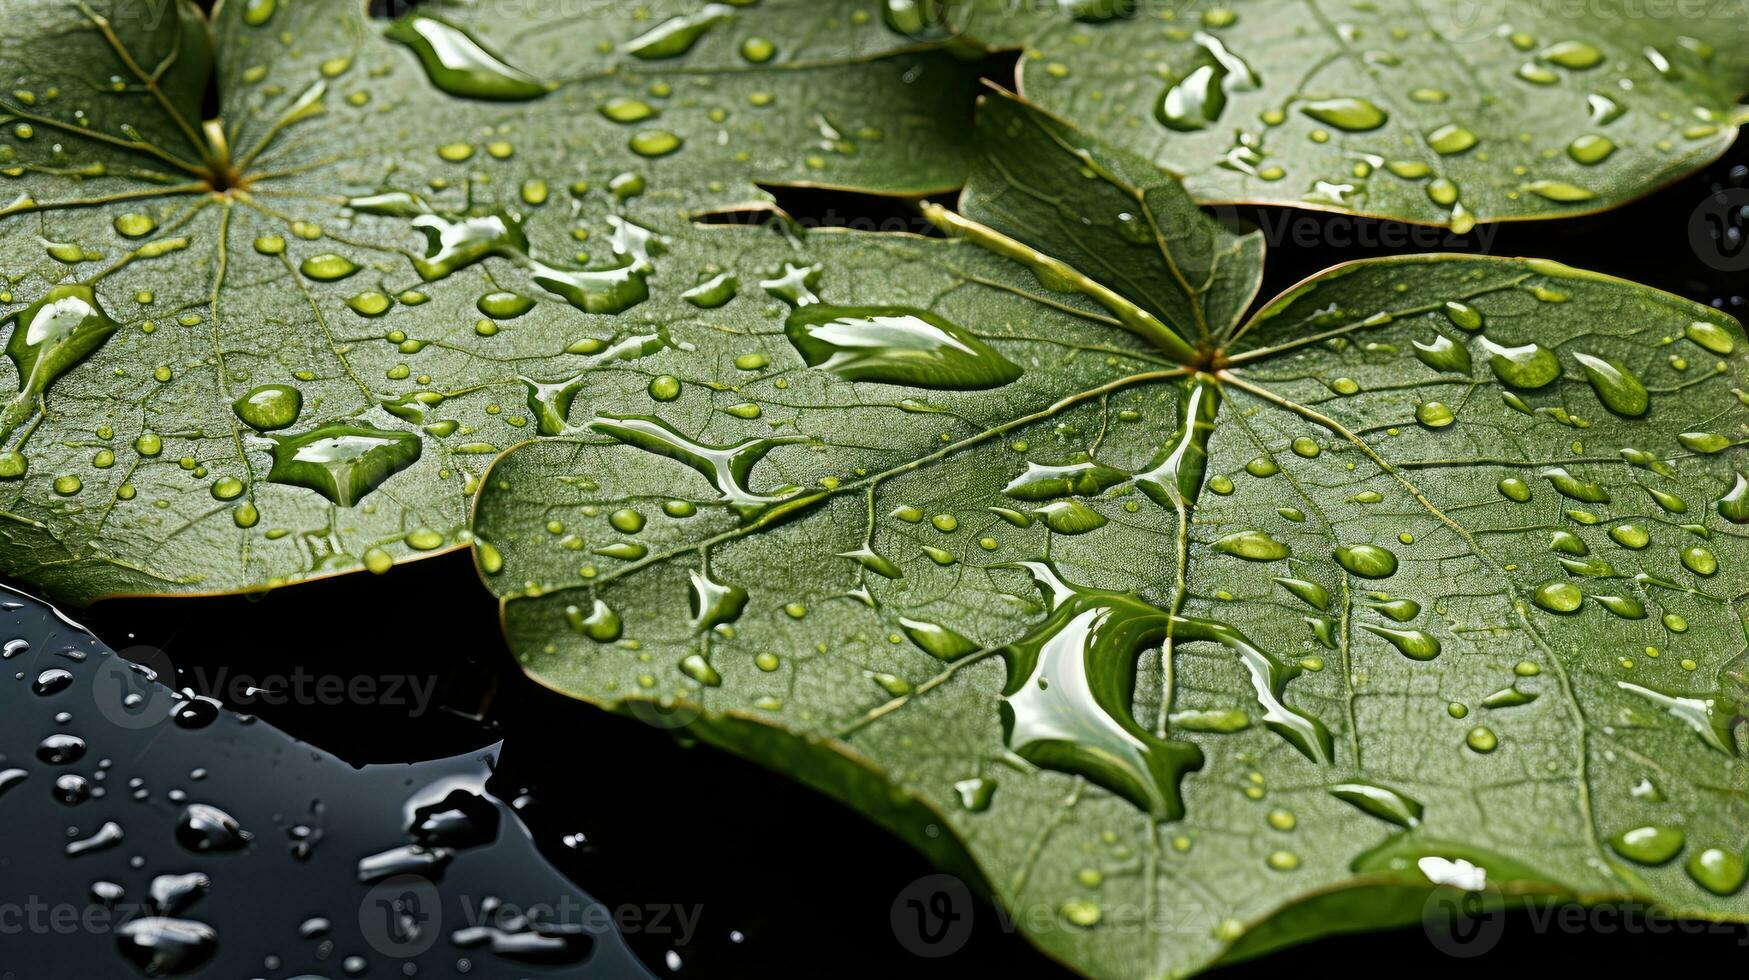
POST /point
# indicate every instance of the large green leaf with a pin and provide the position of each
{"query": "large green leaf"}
(159, 268)
(1429, 574)
(1426, 110)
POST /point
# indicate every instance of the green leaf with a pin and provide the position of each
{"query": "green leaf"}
(1427, 575)
(1444, 113)
(393, 250)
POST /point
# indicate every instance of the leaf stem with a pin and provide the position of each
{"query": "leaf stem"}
(1133, 318)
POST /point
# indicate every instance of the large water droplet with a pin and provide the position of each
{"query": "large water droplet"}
(165, 947)
(343, 461)
(1650, 845)
(714, 603)
(727, 467)
(936, 640)
(460, 65)
(1252, 546)
(896, 345)
(1717, 870)
(456, 244)
(1084, 478)
(269, 407)
(1616, 386)
(1528, 366)
(676, 35)
(1367, 561)
(1380, 801)
(1351, 114)
(47, 339)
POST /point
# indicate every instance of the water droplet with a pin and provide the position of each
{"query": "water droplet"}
(1481, 740)
(60, 749)
(713, 292)
(727, 467)
(758, 50)
(1451, 139)
(1714, 337)
(1512, 488)
(1414, 644)
(1573, 488)
(1650, 845)
(699, 669)
(1434, 415)
(603, 291)
(1175, 476)
(1252, 546)
(1222, 722)
(1590, 149)
(455, 244)
(1367, 561)
(600, 623)
(1081, 478)
(327, 267)
(203, 828)
(342, 461)
(1699, 560)
(714, 603)
(503, 305)
(1463, 316)
(1734, 505)
(1575, 55)
(1558, 597)
(47, 339)
(1070, 517)
(165, 947)
(664, 388)
(1633, 536)
(1616, 386)
(269, 407)
(1708, 718)
(1559, 191)
(1705, 443)
(975, 794)
(1310, 593)
(1351, 114)
(676, 35)
(134, 225)
(1444, 354)
(896, 345)
(1380, 801)
(936, 640)
(654, 142)
(1529, 366)
(1717, 870)
(457, 64)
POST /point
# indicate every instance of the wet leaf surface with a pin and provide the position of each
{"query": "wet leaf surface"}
(1429, 112)
(1424, 575)
(423, 217)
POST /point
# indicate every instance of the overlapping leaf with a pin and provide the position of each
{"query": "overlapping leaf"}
(1426, 110)
(1428, 575)
(323, 247)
